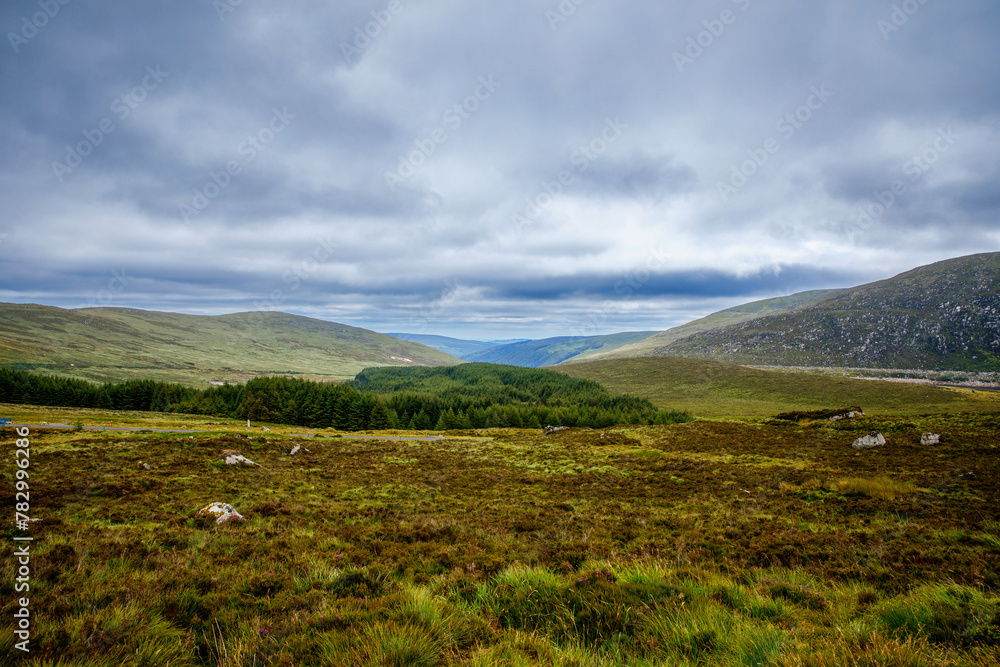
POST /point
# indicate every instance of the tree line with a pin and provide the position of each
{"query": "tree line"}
(462, 397)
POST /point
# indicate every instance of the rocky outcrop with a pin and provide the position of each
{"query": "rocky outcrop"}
(553, 429)
(873, 439)
(930, 439)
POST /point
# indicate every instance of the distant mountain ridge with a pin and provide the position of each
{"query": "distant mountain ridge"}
(558, 350)
(120, 343)
(944, 316)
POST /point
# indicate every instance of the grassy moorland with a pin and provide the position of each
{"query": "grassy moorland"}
(714, 389)
(716, 542)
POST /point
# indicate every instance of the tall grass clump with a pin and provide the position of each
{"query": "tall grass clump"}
(943, 613)
(882, 488)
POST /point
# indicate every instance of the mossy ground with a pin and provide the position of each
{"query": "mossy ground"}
(730, 542)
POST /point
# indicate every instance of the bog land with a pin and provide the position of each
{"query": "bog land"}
(732, 539)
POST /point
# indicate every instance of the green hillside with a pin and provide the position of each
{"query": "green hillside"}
(945, 316)
(748, 311)
(114, 344)
(709, 388)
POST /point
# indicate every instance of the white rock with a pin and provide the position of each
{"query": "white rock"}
(847, 415)
(234, 458)
(222, 512)
(930, 439)
(873, 439)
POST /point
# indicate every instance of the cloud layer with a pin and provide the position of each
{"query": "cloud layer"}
(520, 169)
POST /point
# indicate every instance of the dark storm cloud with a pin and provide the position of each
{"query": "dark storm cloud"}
(413, 162)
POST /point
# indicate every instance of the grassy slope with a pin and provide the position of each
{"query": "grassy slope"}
(709, 388)
(118, 344)
(551, 351)
(723, 318)
(711, 543)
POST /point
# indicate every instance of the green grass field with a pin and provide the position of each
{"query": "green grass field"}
(717, 542)
(712, 389)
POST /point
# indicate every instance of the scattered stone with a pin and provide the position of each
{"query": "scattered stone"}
(552, 429)
(295, 450)
(930, 439)
(873, 439)
(234, 458)
(850, 414)
(143, 466)
(221, 512)
(266, 429)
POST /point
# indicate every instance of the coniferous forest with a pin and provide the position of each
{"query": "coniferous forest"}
(458, 397)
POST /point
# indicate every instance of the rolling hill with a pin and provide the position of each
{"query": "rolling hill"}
(944, 316)
(116, 344)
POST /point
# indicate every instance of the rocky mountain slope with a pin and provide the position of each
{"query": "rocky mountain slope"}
(944, 316)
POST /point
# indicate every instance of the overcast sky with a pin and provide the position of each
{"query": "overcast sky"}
(525, 168)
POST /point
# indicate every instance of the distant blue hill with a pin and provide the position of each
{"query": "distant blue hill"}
(456, 347)
(552, 351)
